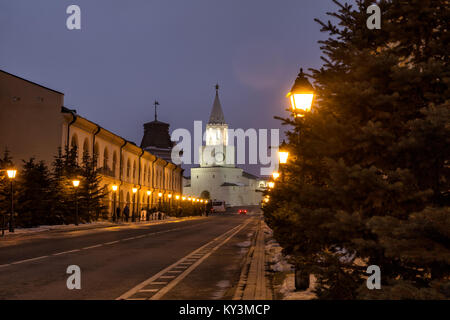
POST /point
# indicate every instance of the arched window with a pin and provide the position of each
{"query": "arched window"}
(145, 173)
(114, 164)
(106, 159)
(85, 147)
(96, 154)
(74, 145)
(128, 168)
(134, 170)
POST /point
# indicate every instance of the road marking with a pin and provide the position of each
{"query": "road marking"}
(148, 290)
(64, 252)
(174, 282)
(29, 260)
(159, 282)
(112, 242)
(227, 235)
(171, 271)
(92, 247)
(99, 245)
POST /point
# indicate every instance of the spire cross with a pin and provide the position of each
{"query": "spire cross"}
(156, 103)
(217, 88)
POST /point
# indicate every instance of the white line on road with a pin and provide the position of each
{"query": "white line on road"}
(99, 245)
(29, 260)
(64, 252)
(148, 290)
(92, 247)
(230, 233)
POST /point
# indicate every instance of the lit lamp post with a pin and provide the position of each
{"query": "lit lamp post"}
(301, 95)
(283, 156)
(170, 200)
(159, 200)
(275, 175)
(134, 204)
(11, 175)
(76, 184)
(271, 184)
(114, 189)
(301, 98)
(148, 199)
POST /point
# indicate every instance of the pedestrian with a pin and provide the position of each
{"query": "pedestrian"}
(117, 214)
(126, 212)
(143, 214)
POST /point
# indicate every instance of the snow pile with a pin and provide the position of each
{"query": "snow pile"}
(279, 263)
(287, 289)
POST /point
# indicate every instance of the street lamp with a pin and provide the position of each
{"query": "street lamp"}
(275, 175)
(159, 199)
(76, 184)
(114, 189)
(148, 199)
(11, 175)
(271, 185)
(134, 203)
(301, 95)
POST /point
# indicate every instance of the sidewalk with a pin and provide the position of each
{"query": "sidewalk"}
(253, 283)
(24, 232)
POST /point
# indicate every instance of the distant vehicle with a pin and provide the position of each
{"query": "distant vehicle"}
(218, 206)
(242, 211)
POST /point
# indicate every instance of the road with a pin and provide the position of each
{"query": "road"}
(193, 259)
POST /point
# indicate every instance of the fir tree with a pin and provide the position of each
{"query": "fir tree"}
(369, 177)
(35, 196)
(91, 193)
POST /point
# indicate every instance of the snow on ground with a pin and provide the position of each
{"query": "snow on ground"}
(278, 263)
(81, 226)
(288, 289)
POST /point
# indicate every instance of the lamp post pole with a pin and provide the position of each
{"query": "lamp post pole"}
(76, 206)
(301, 97)
(11, 217)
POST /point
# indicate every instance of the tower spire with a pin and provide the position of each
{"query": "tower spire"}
(217, 116)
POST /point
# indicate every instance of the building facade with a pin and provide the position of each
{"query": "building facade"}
(35, 123)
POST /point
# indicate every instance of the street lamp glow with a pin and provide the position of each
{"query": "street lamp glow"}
(198, 200)
(134, 190)
(283, 156)
(275, 175)
(169, 196)
(114, 188)
(177, 197)
(160, 194)
(149, 192)
(301, 95)
(11, 173)
(76, 183)
(189, 199)
(183, 198)
(271, 184)
(201, 201)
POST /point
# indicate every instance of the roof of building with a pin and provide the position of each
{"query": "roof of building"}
(217, 116)
(156, 134)
(249, 176)
(37, 84)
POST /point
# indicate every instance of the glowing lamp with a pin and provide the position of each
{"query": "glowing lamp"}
(11, 173)
(301, 95)
(76, 183)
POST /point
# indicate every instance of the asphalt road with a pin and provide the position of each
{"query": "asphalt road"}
(114, 260)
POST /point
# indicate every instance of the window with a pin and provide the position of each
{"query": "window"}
(128, 168)
(105, 158)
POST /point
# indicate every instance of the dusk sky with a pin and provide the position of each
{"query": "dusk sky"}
(129, 53)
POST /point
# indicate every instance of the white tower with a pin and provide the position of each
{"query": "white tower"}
(216, 152)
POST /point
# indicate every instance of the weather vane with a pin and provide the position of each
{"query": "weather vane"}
(156, 104)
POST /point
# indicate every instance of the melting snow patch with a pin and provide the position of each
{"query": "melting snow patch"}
(244, 244)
